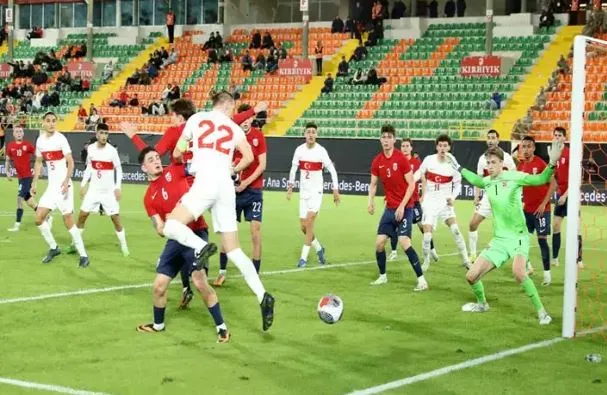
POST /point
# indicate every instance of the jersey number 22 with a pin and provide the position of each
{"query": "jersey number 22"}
(208, 128)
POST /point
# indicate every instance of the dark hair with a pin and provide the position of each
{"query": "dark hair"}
(221, 97)
(311, 125)
(444, 137)
(388, 129)
(183, 107)
(560, 129)
(493, 131)
(46, 114)
(244, 107)
(143, 153)
(102, 127)
(529, 138)
(408, 140)
(495, 151)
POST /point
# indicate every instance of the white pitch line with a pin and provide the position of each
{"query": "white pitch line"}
(47, 387)
(466, 364)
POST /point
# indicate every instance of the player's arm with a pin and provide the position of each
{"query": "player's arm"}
(86, 176)
(372, 193)
(7, 166)
(400, 211)
(292, 172)
(328, 164)
(118, 167)
(183, 141)
(37, 170)
(158, 224)
(477, 190)
(244, 148)
(528, 180)
(262, 158)
(472, 178)
(69, 159)
(457, 186)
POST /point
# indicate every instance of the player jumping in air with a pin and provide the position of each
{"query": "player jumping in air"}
(101, 161)
(166, 188)
(214, 137)
(311, 158)
(560, 208)
(53, 148)
(510, 237)
(249, 195)
(394, 171)
(20, 152)
(536, 202)
(482, 207)
(440, 187)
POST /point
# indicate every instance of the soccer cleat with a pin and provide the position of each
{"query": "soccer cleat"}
(71, 249)
(426, 265)
(555, 261)
(51, 254)
(421, 286)
(84, 262)
(223, 336)
(148, 328)
(186, 298)
(302, 263)
(475, 307)
(393, 256)
(202, 258)
(267, 311)
(473, 258)
(321, 256)
(547, 279)
(434, 255)
(381, 280)
(544, 318)
(125, 251)
(15, 228)
(466, 265)
(221, 278)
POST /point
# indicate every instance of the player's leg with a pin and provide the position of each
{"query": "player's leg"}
(18, 216)
(199, 278)
(23, 194)
(66, 206)
(404, 230)
(385, 231)
(560, 212)
(542, 226)
(418, 214)
(483, 265)
(120, 233)
(256, 244)
(521, 277)
(476, 220)
(393, 247)
(42, 212)
(308, 211)
(429, 220)
(241, 206)
(187, 270)
(457, 236)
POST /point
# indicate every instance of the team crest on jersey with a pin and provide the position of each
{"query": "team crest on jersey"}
(255, 142)
(168, 176)
(395, 166)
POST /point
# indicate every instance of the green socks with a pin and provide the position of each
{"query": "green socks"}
(479, 292)
(530, 290)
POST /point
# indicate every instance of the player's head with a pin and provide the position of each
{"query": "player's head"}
(443, 145)
(560, 134)
(495, 160)
(223, 102)
(18, 133)
(102, 133)
(407, 146)
(387, 137)
(246, 125)
(310, 133)
(528, 147)
(150, 162)
(181, 111)
(49, 122)
(493, 138)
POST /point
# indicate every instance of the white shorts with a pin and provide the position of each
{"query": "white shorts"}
(484, 207)
(309, 203)
(93, 199)
(220, 201)
(434, 211)
(53, 199)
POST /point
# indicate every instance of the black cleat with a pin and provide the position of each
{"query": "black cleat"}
(84, 262)
(223, 336)
(201, 261)
(52, 253)
(267, 311)
(186, 298)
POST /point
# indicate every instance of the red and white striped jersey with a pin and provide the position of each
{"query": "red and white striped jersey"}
(442, 180)
(53, 149)
(101, 162)
(311, 162)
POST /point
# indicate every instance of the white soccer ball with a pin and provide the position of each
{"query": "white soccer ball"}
(330, 309)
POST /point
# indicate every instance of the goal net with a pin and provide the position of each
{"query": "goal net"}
(585, 287)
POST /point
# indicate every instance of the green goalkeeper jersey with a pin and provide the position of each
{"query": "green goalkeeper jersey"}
(505, 196)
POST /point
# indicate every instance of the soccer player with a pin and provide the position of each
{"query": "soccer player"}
(249, 196)
(53, 148)
(101, 161)
(20, 152)
(215, 136)
(311, 158)
(482, 208)
(166, 188)
(510, 237)
(393, 169)
(536, 202)
(440, 187)
(560, 208)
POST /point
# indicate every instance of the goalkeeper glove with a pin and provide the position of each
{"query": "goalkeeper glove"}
(554, 152)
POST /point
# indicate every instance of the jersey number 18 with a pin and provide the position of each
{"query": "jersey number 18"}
(208, 128)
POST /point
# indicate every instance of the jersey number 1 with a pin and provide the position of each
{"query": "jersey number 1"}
(208, 127)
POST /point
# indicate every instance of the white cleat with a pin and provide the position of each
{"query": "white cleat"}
(393, 256)
(555, 261)
(125, 251)
(434, 255)
(421, 286)
(547, 279)
(580, 265)
(15, 228)
(381, 280)
(545, 319)
(426, 265)
(475, 307)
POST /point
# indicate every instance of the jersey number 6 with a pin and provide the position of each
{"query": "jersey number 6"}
(219, 144)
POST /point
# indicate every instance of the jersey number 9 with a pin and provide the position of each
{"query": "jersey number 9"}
(208, 128)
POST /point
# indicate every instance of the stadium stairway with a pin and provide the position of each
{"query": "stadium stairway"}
(98, 97)
(305, 97)
(538, 77)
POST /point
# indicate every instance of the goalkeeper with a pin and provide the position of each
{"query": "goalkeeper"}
(510, 236)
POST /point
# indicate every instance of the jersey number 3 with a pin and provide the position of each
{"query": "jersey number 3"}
(208, 128)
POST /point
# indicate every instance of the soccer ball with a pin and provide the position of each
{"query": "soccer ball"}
(330, 309)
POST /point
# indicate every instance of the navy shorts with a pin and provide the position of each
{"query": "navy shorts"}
(541, 225)
(175, 255)
(25, 184)
(249, 201)
(417, 212)
(390, 227)
(560, 211)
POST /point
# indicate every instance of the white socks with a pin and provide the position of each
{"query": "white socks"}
(316, 245)
(459, 240)
(179, 232)
(426, 245)
(45, 230)
(472, 241)
(122, 238)
(77, 240)
(245, 265)
(305, 250)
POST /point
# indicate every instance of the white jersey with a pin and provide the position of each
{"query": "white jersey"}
(100, 165)
(481, 168)
(214, 137)
(311, 162)
(442, 181)
(53, 150)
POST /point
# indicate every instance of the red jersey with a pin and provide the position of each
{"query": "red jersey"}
(20, 154)
(562, 172)
(534, 196)
(391, 172)
(415, 165)
(166, 191)
(257, 141)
